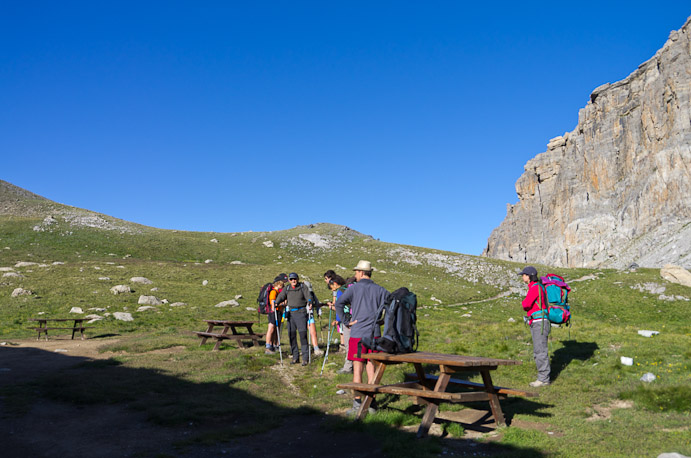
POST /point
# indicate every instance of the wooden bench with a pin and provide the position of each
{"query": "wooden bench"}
(235, 335)
(43, 327)
(432, 390)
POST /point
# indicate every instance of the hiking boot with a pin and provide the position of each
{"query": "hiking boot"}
(343, 370)
(352, 412)
(269, 351)
(538, 383)
(317, 351)
(294, 361)
(305, 363)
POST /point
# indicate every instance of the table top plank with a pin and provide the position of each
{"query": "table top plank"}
(230, 322)
(423, 357)
(58, 319)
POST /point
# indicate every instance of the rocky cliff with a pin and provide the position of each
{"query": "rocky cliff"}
(617, 189)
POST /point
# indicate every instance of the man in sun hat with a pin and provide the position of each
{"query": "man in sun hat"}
(364, 298)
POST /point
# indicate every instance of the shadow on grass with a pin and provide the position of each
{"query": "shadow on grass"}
(75, 406)
(571, 350)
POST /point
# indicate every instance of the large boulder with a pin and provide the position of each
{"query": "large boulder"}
(676, 274)
(149, 300)
(142, 280)
(119, 289)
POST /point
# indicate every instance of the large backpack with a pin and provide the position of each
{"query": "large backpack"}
(263, 305)
(557, 309)
(400, 334)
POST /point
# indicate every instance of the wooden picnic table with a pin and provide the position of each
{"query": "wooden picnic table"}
(432, 390)
(44, 328)
(245, 332)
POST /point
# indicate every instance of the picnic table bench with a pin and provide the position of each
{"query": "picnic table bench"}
(246, 334)
(43, 327)
(432, 389)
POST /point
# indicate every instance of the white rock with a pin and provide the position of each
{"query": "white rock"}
(231, 303)
(237, 263)
(149, 300)
(178, 304)
(626, 361)
(117, 289)
(97, 309)
(104, 278)
(435, 299)
(58, 263)
(249, 309)
(21, 292)
(142, 280)
(268, 244)
(511, 320)
(208, 261)
(25, 264)
(12, 275)
(339, 392)
(153, 290)
(648, 333)
(144, 308)
(123, 316)
(648, 377)
(672, 455)
(214, 241)
(76, 310)
(6, 269)
(92, 317)
(205, 282)
(165, 301)
(238, 296)
(467, 315)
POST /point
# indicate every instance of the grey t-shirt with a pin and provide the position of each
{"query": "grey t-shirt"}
(364, 298)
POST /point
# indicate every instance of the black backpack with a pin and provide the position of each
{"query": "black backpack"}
(400, 334)
(263, 299)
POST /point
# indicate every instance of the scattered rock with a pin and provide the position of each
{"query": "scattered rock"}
(21, 292)
(104, 278)
(178, 304)
(25, 264)
(648, 333)
(153, 290)
(626, 361)
(93, 318)
(511, 320)
(230, 303)
(648, 377)
(268, 244)
(237, 263)
(149, 300)
(213, 241)
(142, 280)
(208, 261)
(76, 310)
(676, 274)
(123, 316)
(238, 296)
(435, 299)
(144, 308)
(205, 282)
(97, 309)
(6, 269)
(671, 455)
(117, 289)
(12, 275)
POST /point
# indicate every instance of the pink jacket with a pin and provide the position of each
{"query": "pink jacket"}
(535, 300)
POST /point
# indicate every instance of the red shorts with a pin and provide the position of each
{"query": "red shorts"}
(353, 348)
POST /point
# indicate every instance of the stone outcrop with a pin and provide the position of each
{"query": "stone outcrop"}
(617, 189)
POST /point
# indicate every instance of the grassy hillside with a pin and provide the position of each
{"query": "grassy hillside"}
(464, 308)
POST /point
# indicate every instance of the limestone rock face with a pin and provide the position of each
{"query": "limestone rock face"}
(617, 189)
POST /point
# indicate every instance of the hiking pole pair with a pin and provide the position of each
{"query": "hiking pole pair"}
(278, 332)
(328, 342)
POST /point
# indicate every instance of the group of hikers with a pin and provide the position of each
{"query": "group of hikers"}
(355, 305)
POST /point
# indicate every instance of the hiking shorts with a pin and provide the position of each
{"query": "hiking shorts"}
(353, 348)
(272, 317)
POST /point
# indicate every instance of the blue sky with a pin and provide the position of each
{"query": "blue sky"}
(408, 121)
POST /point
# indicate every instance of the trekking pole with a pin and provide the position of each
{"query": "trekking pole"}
(310, 317)
(328, 342)
(278, 333)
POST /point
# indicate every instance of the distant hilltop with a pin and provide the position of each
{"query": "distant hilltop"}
(617, 189)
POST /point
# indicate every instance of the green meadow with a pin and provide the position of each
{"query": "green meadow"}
(595, 407)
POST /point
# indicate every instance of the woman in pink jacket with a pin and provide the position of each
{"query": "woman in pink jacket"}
(536, 308)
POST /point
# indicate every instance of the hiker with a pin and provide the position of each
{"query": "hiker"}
(534, 303)
(298, 297)
(337, 286)
(364, 298)
(275, 311)
(328, 275)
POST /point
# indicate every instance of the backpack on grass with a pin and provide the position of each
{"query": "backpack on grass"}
(400, 334)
